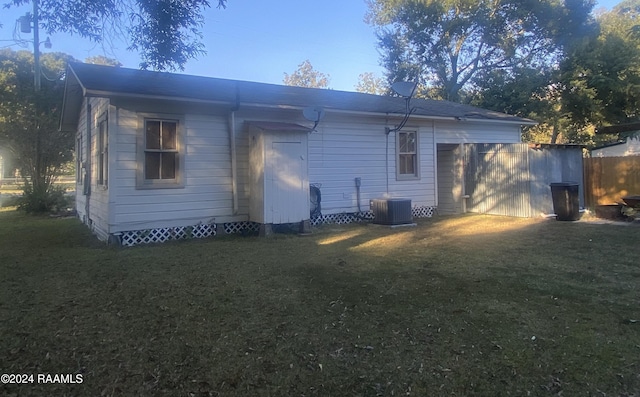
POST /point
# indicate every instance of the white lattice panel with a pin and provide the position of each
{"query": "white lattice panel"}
(241, 227)
(203, 230)
(343, 218)
(417, 212)
(423, 212)
(160, 235)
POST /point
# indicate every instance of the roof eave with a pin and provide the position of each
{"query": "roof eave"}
(112, 94)
(74, 92)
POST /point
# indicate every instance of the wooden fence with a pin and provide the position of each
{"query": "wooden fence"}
(608, 179)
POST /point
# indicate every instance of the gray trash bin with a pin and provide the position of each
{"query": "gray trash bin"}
(566, 201)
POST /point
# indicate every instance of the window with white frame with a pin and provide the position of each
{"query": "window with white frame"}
(103, 150)
(407, 158)
(159, 153)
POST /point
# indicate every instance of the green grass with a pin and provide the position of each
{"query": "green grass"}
(470, 305)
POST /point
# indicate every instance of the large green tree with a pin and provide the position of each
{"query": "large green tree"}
(601, 78)
(166, 33)
(29, 122)
(447, 44)
(595, 82)
(526, 92)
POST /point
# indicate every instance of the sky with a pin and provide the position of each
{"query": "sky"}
(258, 40)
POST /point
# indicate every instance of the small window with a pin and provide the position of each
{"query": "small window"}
(161, 150)
(103, 150)
(160, 153)
(407, 160)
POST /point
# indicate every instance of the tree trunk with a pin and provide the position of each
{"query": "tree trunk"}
(555, 133)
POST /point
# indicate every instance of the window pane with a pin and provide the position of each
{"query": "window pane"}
(411, 142)
(168, 165)
(152, 165)
(169, 135)
(402, 142)
(103, 133)
(407, 164)
(153, 135)
(105, 167)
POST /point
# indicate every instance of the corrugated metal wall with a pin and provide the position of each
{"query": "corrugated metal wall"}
(497, 179)
(550, 164)
(513, 179)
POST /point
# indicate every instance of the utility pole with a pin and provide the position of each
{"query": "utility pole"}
(37, 85)
(36, 48)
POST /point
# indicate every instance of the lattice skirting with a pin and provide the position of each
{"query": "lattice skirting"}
(423, 212)
(343, 218)
(366, 216)
(241, 227)
(161, 235)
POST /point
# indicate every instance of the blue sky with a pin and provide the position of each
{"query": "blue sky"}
(259, 40)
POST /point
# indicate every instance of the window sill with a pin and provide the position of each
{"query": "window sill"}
(407, 178)
(165, 185)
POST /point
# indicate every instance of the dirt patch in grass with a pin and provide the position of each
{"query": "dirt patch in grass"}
(470, 305)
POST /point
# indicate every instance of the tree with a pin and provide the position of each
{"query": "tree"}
(166, 33)
(446, 44)
(307, 76)
(524, 92)
(369, 83)
(602, 76)
(102, 60)
(29, 123)
(595, 83)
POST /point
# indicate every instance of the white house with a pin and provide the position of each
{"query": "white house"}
(164, 156)
(629, 147)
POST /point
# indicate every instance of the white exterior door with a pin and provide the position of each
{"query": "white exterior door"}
(287, 183)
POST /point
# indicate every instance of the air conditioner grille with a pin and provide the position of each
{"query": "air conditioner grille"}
(394, 211)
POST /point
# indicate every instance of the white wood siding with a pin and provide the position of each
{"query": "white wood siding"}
(98, 215)
(482, 132)
(343, 149)
(206, 196)
(629, 148)
(82, 133)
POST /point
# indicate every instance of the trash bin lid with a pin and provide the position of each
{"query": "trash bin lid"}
(564, 183)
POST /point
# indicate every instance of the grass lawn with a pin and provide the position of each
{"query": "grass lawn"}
(458, 306)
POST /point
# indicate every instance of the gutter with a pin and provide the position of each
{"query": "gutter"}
(100, 93)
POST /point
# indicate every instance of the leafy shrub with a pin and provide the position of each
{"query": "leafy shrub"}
(37, 202)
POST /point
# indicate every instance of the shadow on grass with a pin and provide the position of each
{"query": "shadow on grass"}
(468, 305)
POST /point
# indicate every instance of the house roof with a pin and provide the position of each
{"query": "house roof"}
(607, 145)
(107, 81)
(616, 129)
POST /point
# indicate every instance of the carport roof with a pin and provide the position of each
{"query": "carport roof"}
(106, 81)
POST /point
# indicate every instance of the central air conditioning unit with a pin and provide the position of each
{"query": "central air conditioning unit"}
(394, 211)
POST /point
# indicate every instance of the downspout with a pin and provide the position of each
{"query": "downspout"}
(462, 155)
(435, 161)
(387, 131)
(88, 167)
(234, 166)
